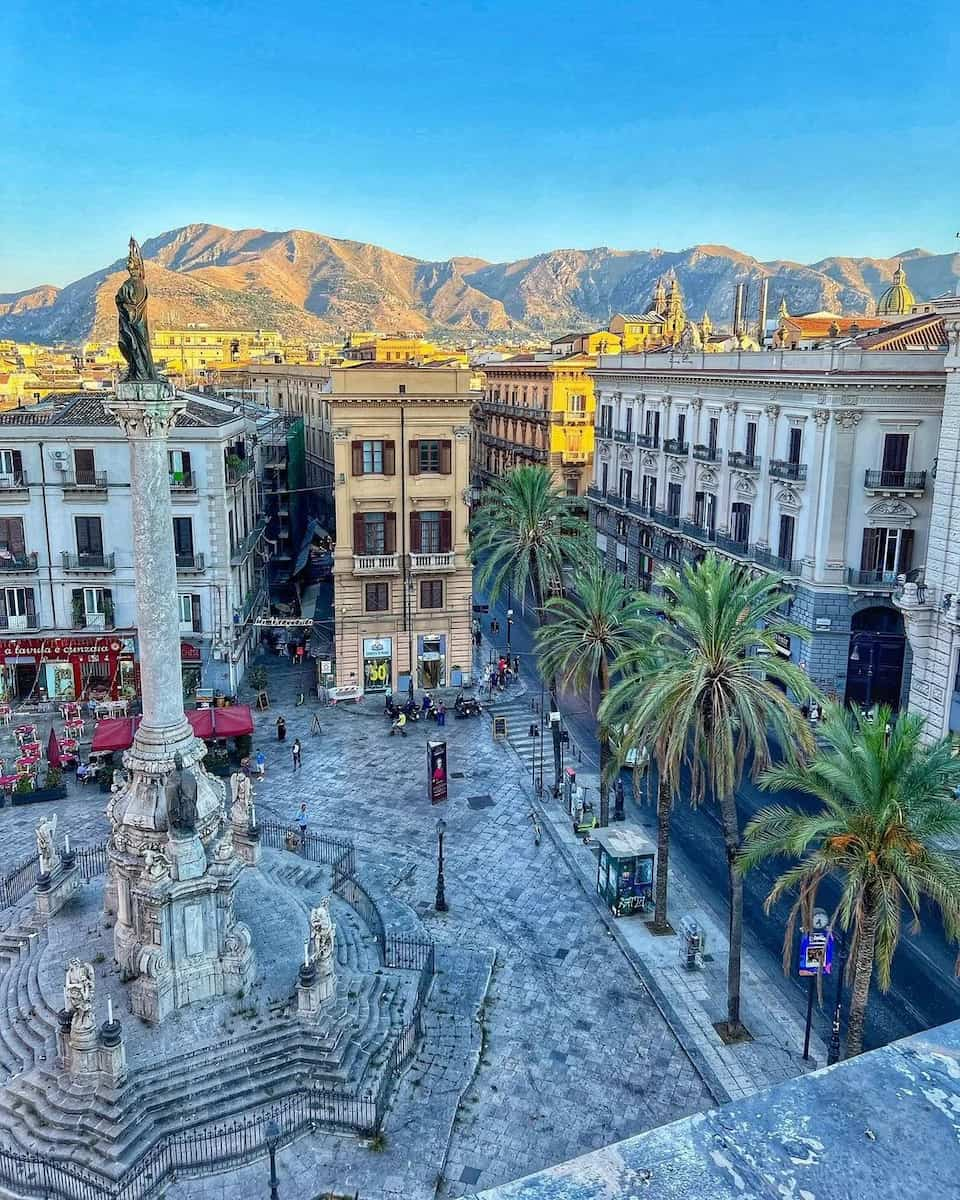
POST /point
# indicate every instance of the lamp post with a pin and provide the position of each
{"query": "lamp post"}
(271, 1136)
(509, 627)
(534, 734)
(440, 904)
(833, 1051)
(871, 647)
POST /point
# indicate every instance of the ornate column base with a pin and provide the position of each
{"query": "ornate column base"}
(53, 891)
(246, 845)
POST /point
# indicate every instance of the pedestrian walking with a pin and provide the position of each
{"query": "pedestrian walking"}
(297, 751)
(315, 726)
(302, 825)
(281, 729)
(261, 763)
(618, 800)
(516, 665)
(501, 672)
(441, 714)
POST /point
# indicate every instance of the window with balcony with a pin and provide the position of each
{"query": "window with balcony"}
(11, 468)
(92, 608)
(674, 494)
(788, 525)
(705, 510)
(713, 432)
(794, 445)
(12, 546)
(373, 456)
(189, 604)
(376, 597)
(751, 447)
(183, 541)
(89, 540)
(740, 522)
(604, 476)
(85, 468)
(178, 464)
(17, 608)
(431, 532)
(431, 593)
(374, 533)
(888, 552)
(649, 491)
(681, 428)
(606, 420)
(626, 485)
(578, 404)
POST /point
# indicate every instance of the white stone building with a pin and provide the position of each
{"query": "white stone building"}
(67, 605)
(815, 464)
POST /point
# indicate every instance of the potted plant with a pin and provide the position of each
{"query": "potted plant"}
(258, 679)
(79, 612)
(108, 611)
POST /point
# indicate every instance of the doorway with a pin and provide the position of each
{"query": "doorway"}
(875, 658)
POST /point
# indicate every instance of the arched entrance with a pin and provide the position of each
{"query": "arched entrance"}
(875, 657)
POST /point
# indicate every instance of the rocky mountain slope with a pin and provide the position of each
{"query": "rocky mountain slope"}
(307, 283)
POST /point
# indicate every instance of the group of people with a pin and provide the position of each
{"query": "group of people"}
(500, 673)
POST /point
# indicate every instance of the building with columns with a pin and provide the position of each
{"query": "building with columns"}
(931, 605)
(402, 579)
(818, 465)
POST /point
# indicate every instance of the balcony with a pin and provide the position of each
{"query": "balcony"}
(700, 533)
(707, 454)
(730, 545)
(648, 441)
(442, 561)
(237, 469)
(89, 620)
(190, 564)
(181, 482)
(776, 562)
(623, 435)
(742, 461)
(595, 493)
(18, 564)
(901, 482)
(85, 484)
(617, 500)
(575, 418)
(253, 600)
(642, 510)
(669, 520)
(375, 564)
(19, 622)
(781, 469)
(874, 581)
(240, 551)
(675, 446)
(14, 486)
(101, 564)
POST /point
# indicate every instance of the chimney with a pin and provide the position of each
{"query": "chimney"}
(762, 311)
(738, 309)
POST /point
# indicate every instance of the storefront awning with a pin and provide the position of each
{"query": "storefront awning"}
(116, 733)
(314, 529)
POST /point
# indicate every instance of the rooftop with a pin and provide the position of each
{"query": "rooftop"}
(86, 408)
(884, 1125)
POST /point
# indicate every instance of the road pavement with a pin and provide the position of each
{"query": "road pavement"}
(925, 991)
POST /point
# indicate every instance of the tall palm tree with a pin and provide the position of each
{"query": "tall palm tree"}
(524, 532)
(888, 831)
(706, 703)
(588, 631)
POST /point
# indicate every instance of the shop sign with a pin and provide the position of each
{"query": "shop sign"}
(189, 653)
(377, 647)
(782, 642)
(60, 647)
(437, 771)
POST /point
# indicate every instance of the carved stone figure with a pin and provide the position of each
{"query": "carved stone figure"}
(224, 851)
(134, 336)
(78, 994)
(46, 844)
(181, 796)
(322, 931)
(156, 865)
(242, 791)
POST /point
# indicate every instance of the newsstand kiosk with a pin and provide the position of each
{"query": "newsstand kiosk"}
(625, 868)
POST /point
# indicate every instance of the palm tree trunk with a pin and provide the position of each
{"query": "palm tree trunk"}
(862, 975)
(603, 683)
(731, 841)
(664, 804)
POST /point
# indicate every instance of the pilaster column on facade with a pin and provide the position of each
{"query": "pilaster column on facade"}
(835, 519)
(696, 420)
(762, 534)
(727, 434)
(819, 498)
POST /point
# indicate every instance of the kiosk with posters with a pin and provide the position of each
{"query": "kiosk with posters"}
(625, 868)
(377, 664)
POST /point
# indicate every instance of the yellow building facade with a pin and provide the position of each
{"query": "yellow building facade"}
(402, 578)
(197, 348)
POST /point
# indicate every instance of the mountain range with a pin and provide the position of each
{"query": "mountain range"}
(303, 283)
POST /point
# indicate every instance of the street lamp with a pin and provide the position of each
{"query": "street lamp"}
(833, 1051)
(509, 626)
(271, 1136)
(534, 733)
(440, 904)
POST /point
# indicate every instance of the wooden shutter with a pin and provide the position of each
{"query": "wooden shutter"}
(868, 554)
(359, 535)
(356, 454)
(17, 464)
(414, 457)
(390, 532)
(389, 458)
(31, 609)
(11, 535)
(446, 532)
(906, 551)
(415, 537)
(195, 613)
(445, 458)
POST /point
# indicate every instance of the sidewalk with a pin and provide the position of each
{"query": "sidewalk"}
(690, 1001)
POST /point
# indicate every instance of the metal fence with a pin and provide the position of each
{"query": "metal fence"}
(92, 861)
(314, 847)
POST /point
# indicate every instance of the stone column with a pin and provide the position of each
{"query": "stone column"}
(762, 524)
(841, 462)
(816, 474)
(727, 434)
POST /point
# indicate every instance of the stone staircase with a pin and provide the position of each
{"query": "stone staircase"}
(27, 1021)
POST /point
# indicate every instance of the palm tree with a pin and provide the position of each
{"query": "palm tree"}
(887, 831)
(703, 702)
(588, 631)
(524, 532)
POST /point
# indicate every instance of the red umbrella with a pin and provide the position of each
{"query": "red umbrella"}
(53, 750)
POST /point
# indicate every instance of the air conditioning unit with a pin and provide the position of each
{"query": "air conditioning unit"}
(60, 458)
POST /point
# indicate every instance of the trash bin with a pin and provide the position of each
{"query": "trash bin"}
(692, 942)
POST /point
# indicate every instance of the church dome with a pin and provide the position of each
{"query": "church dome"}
(897, 300)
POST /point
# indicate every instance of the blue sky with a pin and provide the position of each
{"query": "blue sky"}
(489, 128)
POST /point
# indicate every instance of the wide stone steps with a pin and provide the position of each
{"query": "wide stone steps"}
(27, 1021)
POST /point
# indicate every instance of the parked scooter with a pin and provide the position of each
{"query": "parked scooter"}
(466, 706)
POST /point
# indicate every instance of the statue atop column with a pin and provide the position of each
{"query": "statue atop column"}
(78, 995)
(134, 336)
(240, 809)
(46, 844)
(322, 931)
(181, 797)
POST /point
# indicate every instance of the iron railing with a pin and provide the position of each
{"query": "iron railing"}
(675, 446)
(89, 562)
(648, 441)
(707, 454)
(782, 469)
(743, 461)
(881, 580)
(906, 481)
(19, 563)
